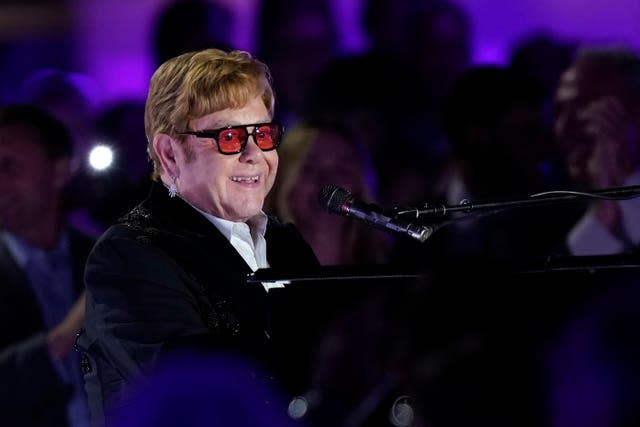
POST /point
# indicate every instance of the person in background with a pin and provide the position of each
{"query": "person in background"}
(70, 97)
(171, 275)
(423, 46)
(543, 58)
(41, 264)
(324, 154)
(493, 120)
(298, 40)
(495, 127)
(187, 25)
(597, 119)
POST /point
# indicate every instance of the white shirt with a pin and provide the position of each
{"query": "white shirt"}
(590, 237)
(247, 238)
(50, 276)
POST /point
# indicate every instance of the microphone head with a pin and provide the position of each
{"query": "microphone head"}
(332, 198)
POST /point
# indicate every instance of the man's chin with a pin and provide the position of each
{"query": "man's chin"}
(242, 215)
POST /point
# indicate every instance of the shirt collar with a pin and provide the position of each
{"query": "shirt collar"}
(21, 250)
(257, 223)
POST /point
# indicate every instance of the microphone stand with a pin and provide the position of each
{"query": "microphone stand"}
(430, 213)
(547, 198)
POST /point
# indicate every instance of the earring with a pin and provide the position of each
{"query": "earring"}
(173, 189)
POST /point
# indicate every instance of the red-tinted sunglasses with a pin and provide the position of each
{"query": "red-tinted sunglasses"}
(233, 139)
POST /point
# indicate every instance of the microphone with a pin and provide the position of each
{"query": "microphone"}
(340, 201)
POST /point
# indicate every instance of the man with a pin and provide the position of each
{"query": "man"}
(596, 126)
(41, 265)
(171, 274)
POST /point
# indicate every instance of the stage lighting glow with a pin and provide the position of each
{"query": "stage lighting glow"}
(100, 157)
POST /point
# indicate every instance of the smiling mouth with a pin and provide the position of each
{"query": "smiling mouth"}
(245, 179)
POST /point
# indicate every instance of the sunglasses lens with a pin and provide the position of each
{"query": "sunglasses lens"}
(268, 136)
(231, 140)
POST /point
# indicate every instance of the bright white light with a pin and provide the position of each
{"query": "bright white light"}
(100, 157)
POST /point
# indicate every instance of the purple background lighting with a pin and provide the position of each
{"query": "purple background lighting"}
(110, 41)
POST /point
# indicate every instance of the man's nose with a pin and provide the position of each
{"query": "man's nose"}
(251, 152)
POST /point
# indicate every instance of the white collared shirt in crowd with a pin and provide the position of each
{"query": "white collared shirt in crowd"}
(590, 237)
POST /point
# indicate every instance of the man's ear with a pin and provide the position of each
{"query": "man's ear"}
(166, 149)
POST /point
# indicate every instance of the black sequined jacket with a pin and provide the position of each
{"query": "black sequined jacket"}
(164, 278)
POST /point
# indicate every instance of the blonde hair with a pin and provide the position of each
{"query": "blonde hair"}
(195, 84)
(292, 155)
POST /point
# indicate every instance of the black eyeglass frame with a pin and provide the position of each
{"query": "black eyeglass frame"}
(215, 135)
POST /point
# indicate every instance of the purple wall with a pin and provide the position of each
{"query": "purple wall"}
(112, 38)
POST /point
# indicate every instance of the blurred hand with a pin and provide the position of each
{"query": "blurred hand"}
(613, 155)
(62, 337)
(615, 142)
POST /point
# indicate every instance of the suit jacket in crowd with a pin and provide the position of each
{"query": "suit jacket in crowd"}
(31, 392)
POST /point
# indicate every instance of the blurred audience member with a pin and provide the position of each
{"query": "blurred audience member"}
(425, 46)
(543, 57)
(312, 156)
(440, 45)
(439, 36)
(41, 265)
(385, 23)
(378, 118)
(298, 40)
(70, 97)
(597, 122)
(188, 25)
(494, 123)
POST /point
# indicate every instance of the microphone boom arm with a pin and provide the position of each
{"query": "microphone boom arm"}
(546, 198)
